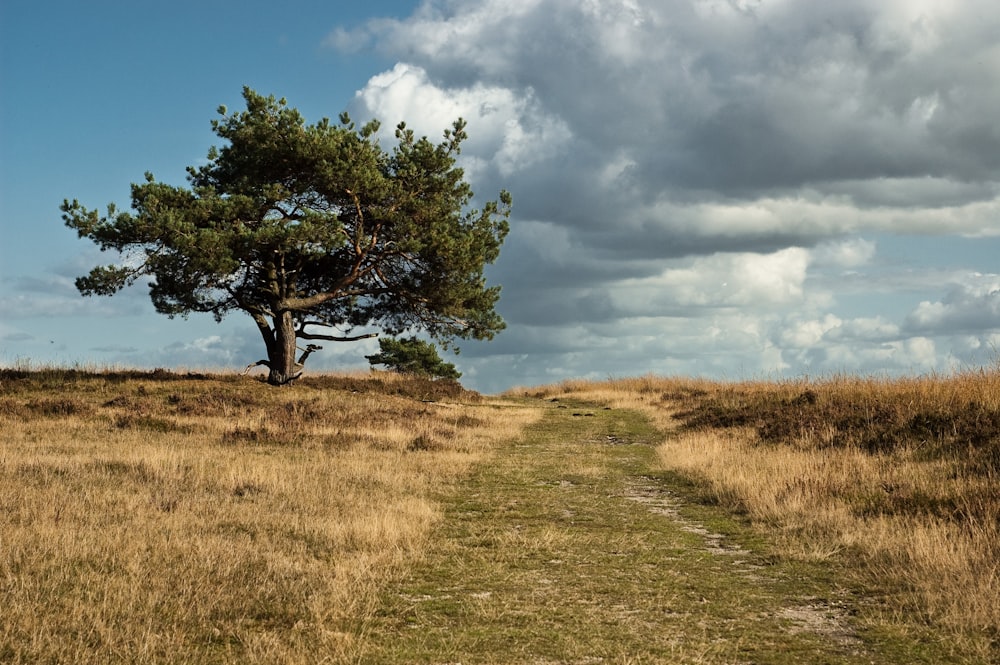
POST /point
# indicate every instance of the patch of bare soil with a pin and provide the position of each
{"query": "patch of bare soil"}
(805, 615)
(820, 617)
(663, 502)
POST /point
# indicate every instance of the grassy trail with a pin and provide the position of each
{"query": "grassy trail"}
(567, 547)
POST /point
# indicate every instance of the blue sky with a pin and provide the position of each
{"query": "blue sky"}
(722, 188)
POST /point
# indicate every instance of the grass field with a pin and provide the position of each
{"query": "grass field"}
(896, 483)
(151, 517)
(160, 518)
(570, 548)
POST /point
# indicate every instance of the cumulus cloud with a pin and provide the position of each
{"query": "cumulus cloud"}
(687, 127)
(733, 98)
(973, 306)
(845, 254)
(510, 127)
(709, 184)
(728, 280)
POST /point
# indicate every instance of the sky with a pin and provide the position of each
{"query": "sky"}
(728, 189)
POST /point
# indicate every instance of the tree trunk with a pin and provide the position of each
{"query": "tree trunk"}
(281, 354)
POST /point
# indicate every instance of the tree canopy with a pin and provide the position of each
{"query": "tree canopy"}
(308, 227)
(413, 356)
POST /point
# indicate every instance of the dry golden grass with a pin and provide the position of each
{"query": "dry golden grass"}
(898, 479)
(148, 517)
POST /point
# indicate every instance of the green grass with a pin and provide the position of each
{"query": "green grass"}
(567, 547)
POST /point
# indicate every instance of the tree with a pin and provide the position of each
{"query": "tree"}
(307, 227)
(413, 356)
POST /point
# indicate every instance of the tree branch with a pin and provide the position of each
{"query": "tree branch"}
(306, 303)
(256, 364)
(301, 334)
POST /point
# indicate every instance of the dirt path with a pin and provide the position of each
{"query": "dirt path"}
(568, 547)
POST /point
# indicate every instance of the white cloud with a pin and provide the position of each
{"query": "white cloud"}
(921, 351)
(506, 128)
(866, 329)
(970, 306)
(348, 41)
(808, 334)
(700, 183)
(852, 253)
(731, 280)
